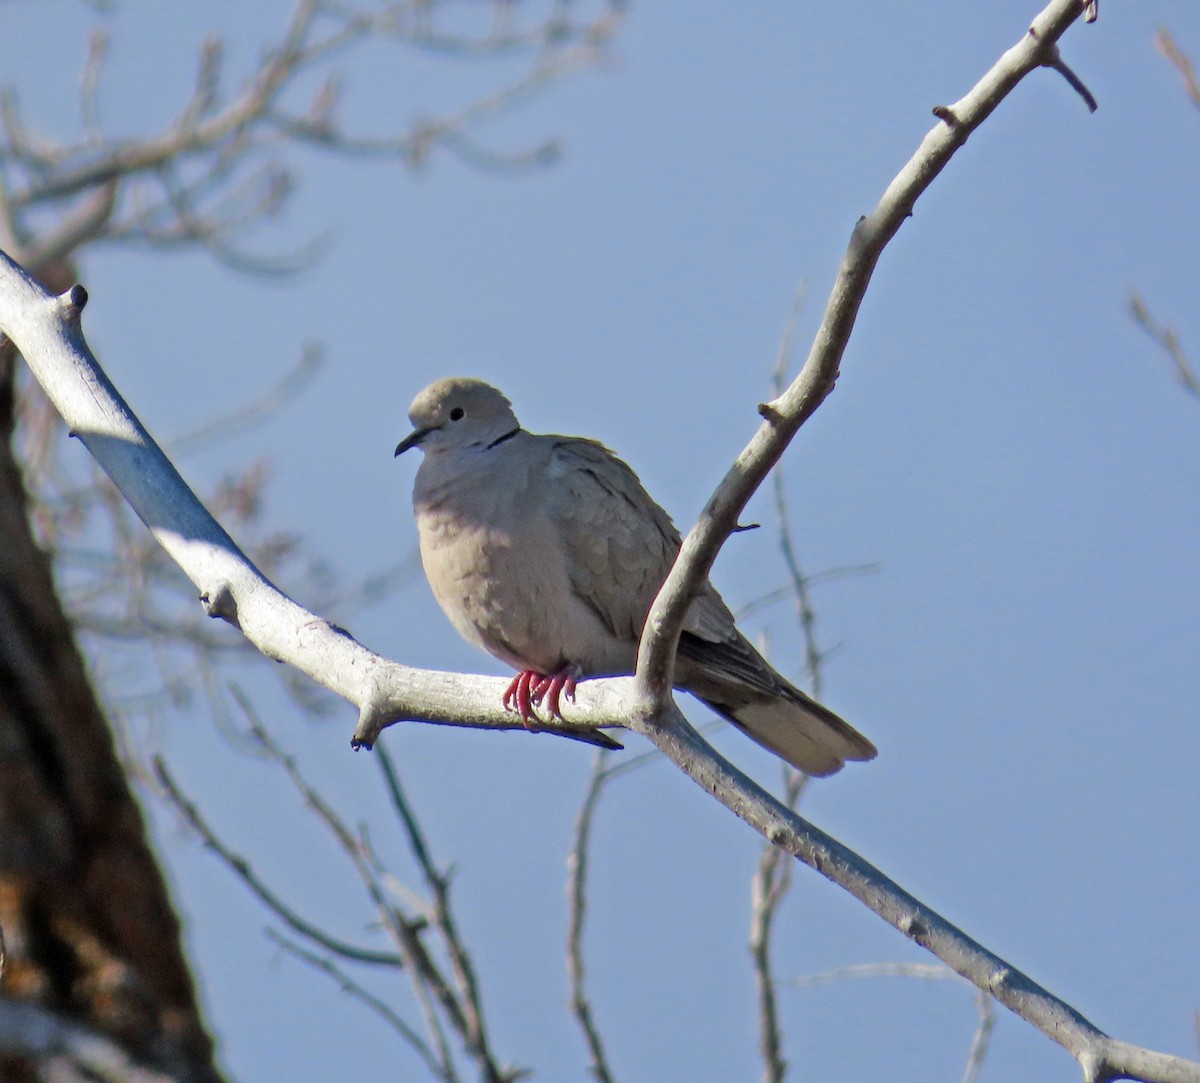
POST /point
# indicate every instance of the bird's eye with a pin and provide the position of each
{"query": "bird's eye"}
(457, 413)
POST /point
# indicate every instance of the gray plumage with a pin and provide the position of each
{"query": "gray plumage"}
(547, 552)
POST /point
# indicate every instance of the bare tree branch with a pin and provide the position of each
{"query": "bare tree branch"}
(857, 971)
(768, 888)
(1181, 62)
(47, 331)
(1101, 1057)
(1168, 339)
(456, 997)
(783, 416)
(441, 1070)
(244, 871)
(577, 888)
(773, 876)
(217, 168)
(981, 1039)
(925, 972)
(438, 882)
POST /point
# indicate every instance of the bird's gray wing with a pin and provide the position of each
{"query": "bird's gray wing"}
(620, 544)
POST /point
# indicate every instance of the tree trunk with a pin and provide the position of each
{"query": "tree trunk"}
(92, 942)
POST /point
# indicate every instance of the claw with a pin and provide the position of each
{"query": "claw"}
(529, 689)
(518, 696)
(550, 690)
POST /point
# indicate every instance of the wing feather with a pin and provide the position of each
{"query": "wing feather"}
(621, 544)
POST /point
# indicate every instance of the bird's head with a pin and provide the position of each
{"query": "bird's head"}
(458, 413)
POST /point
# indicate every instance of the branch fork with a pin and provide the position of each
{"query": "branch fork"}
(783, 417)
(47, 331)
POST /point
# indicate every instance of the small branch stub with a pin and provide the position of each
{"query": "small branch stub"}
(1056, 62)
(221, 603)
(373, 717)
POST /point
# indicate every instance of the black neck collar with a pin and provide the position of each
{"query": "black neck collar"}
(501, 439)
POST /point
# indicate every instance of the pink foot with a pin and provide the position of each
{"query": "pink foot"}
(529, 689)
(551, 689)
(518, 696)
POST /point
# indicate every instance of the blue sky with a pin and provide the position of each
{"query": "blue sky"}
(1003, 444)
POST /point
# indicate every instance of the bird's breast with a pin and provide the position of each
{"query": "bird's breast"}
(499, 571)
(496, 578)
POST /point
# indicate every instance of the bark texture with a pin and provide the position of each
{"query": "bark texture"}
(89, 930)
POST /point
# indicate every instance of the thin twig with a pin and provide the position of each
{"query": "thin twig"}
(981, 1039)
(283, 391)
(857, 971)
(577, 897)
(769, 886)
(1181, 62)
(244, 871)
(805, 612)
(773, 876)
(812, 579)
(1168, 339)
(429, 984)
(380, 1007)
(89, 84)
(1059, 65)
(438, 882)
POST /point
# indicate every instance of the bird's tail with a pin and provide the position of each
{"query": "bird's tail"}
(736, 681)
(799, 730)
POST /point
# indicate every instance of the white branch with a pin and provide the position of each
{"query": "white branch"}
(783, 417)
(47, 331)
(1102, 1058)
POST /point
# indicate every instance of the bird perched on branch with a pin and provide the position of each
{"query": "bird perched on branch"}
(547, 552)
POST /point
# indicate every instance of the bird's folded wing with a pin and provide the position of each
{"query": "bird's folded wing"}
(729, 660)
(620, 544)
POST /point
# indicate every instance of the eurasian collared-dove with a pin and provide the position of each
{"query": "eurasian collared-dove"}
(547, 552)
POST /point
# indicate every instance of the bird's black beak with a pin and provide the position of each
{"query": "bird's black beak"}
(413, 439)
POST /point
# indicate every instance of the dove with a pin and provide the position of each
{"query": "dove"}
(547, 552)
